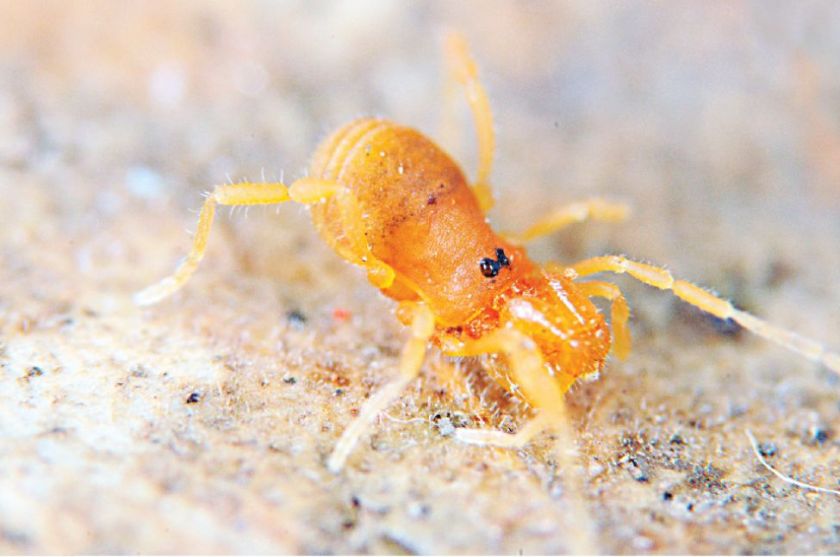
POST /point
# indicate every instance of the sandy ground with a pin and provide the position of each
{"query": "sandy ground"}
(202, 424)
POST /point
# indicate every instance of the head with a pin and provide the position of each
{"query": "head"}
(570, 332)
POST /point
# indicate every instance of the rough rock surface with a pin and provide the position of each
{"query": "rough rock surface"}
(202, 424)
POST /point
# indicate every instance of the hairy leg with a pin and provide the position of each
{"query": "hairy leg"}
(422, 328)
(306, 191)
(243, 193)
(462, 69)
(590, 209)
(619, 313)
(546, 393)
(661, 278)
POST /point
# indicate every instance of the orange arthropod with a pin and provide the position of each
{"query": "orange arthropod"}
(388, 199)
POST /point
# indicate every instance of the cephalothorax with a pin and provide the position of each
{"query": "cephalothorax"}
(388, 199)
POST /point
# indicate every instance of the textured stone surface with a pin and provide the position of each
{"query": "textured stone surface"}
(202, 424)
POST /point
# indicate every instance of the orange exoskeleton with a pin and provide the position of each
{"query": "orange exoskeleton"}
(388, 199)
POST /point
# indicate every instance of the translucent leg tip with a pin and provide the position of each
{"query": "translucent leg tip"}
(482, 437)
(143, 298)
(155, 293)
(335, 464)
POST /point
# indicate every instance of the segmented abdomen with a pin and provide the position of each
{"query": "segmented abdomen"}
(419, 216)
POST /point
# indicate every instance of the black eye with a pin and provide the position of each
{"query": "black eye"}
(489, 268)
(502, 258)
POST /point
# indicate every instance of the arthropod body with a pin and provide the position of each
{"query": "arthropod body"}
(421, 219)
(388, 199)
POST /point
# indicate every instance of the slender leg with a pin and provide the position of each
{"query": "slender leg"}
(494, 438)
(244, 193)
(462, 69)
(594, 209)
(528, 374)
(620, 313)
(422, 328)
(306, 191)
(696, 296)
(547, 395)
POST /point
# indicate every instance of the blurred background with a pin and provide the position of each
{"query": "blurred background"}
(719, 122)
